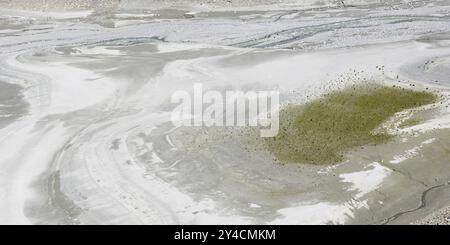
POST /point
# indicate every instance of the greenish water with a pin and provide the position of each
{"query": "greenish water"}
(410, 122)
(322, 131)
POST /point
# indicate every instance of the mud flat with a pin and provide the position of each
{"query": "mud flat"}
(95, 143)
(123, 163)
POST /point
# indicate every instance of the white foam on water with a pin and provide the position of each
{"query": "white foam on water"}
(319, 213)
(413, 152)
(363, 182)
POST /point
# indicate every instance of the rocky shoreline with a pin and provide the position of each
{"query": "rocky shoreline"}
(440, 217)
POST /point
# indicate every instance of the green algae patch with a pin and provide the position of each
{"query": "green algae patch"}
(410, 122)
(322, 131)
